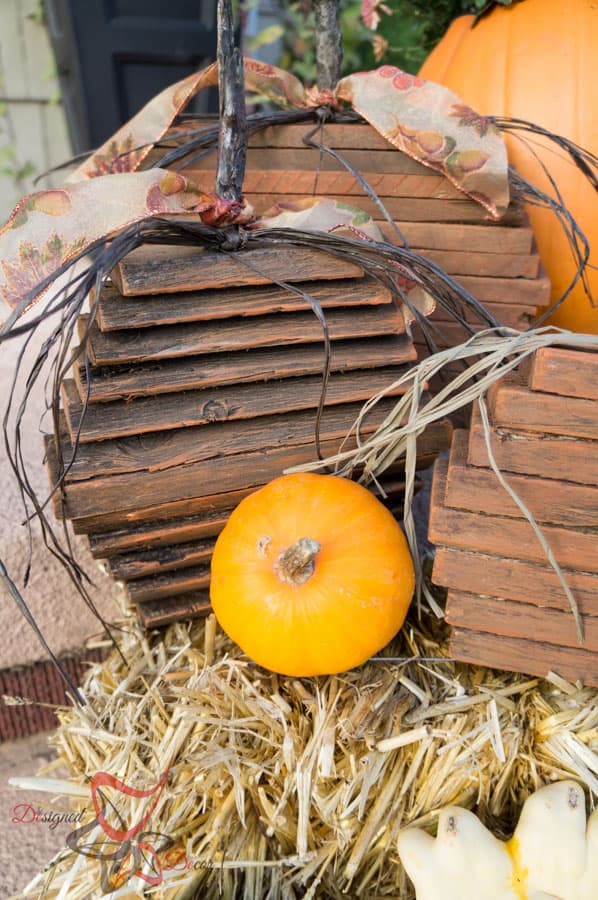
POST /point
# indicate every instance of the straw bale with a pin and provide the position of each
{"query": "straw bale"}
(284, 788)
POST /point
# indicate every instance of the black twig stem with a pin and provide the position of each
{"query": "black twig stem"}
(232, 143)
(329, 51)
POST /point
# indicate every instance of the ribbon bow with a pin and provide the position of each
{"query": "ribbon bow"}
(106, 193)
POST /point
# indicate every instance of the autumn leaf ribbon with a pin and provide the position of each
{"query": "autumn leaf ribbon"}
(107, 192)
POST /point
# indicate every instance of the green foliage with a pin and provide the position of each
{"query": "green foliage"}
(11, 168)
(405, 35)
(298, 39)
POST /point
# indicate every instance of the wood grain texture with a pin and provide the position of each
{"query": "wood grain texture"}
(138, 564)
(545, 455)
(279, 182)
(525, 291)
(159, 269)
(495, 265)
(514, 579)
(514, 315)
(106, 421)
(148, 379)
(549, 500)
(415, 209)
(496, 615)
(573, 548)
(227, 336)
(462, 238)
(519, 655)
(384, 160)
(155, 587)
(118, 522)
(184, 446)
(558, 370)
(339, 136)
(514, 406)
(127, 492)
(156, 613)
(161, 533)
(52, 471)
(117, 312)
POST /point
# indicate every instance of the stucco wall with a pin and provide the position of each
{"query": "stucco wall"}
(52, 597)
(32, 123)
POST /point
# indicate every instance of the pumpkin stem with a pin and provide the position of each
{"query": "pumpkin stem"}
(296, 565)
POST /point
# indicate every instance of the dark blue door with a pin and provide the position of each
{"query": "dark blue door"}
(114, 55)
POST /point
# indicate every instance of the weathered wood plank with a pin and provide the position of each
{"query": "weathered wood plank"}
(544, 455)
(127, 492)
(496, 265)
(463, 238)
(155, 613)
(558, 370)
(169, 269)
(549, 500)
(514, 579)
(513, 315)
(183, 446)
(148, 379)
(117, 312)
(527, 291)
(339, 136)
(120, 521)
(191, 339)
(52, 468)
(474, 263)
(155, 587)
(514, 406)
(415, 209)
(496, 615)
(105, 421)
(519, 655)
(305, 181)
(128, 566)
(296, 162)
(573, 548)
(162, 533)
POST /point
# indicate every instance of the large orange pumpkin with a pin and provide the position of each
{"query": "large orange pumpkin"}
(311, 575)
(536, 60)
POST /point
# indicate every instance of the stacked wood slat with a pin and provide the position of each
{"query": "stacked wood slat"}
(505, 602)
(496, 261)
(202, 384)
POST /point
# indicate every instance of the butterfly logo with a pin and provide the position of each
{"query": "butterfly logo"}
(125, 850)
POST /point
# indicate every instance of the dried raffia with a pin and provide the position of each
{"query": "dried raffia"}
(488, 356)
(280, 787)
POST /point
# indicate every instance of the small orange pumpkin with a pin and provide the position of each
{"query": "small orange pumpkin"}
(311, 575)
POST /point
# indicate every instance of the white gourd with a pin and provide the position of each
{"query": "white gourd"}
(553, 855)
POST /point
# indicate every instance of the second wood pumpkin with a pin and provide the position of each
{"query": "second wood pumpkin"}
(535, 60)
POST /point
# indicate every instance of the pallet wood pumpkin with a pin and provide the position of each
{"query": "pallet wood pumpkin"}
(160, 334)
(505, 602)
(203, 383)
